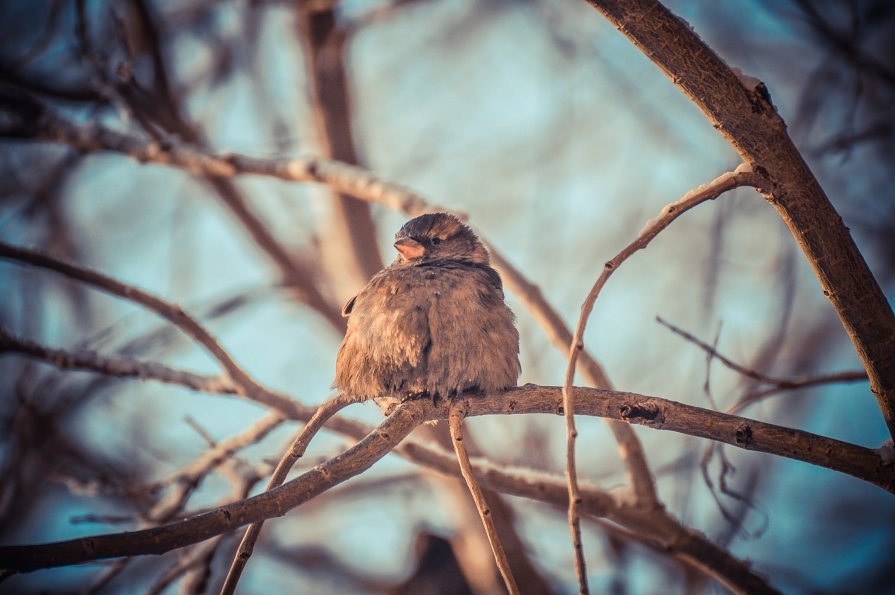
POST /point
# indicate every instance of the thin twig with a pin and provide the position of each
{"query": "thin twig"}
(668, 214)
(779, 384)
(174, 314)
(455, 421)
(292, 454)
(120, 367)
(224, 449)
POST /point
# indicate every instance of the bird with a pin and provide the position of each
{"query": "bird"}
(432, 324)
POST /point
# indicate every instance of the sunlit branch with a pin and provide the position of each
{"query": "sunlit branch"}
(669, 213)
(748, 120)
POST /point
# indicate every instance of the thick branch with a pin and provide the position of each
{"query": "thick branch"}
(654, 412)
(749, 122)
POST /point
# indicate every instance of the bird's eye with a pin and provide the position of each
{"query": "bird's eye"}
(436, 241)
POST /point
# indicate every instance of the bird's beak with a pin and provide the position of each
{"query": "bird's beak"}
(409, 248)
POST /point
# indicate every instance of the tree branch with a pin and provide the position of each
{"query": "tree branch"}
(669, 213)
(295, 451)
(748, 121)
(778, 385)
(174, 314)
(654, 412)
(119, 367)
(455, 420)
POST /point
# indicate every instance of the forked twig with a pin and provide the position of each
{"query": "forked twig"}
(777, 384)
(455, 422)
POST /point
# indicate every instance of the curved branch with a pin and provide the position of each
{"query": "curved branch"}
(630, 449)
(748, 121)
(669, 213)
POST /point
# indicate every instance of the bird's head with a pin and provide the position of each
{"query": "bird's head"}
(439, 236)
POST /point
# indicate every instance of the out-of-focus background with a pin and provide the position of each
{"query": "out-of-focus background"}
(560, 140)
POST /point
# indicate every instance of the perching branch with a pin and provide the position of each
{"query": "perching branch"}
(862, 463)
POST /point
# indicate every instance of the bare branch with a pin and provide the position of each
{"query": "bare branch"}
(295, 451)
(276, 502)
(38, 122)
(170, 312)
(350, 238)
(120, 367)
(630, 448)
(651, 523)
(653, 412)
(189, 476)
(669, 213)
(779, 384)
(749, 122)
(455, 419)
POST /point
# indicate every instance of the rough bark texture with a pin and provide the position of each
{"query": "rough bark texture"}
(748, 121)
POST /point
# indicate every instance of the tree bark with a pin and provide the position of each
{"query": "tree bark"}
(749, 122)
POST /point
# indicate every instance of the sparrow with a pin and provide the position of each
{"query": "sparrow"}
(433, 323)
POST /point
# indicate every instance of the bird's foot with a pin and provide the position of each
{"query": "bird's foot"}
(412, 396)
